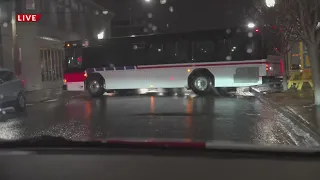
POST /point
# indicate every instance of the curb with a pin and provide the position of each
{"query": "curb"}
(294, 117)
(43, 95)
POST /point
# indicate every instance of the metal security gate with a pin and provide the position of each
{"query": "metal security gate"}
(51, 61)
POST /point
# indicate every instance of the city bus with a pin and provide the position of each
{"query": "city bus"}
(199, 61)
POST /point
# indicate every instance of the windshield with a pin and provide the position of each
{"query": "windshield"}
(73, 60)
(225, 71)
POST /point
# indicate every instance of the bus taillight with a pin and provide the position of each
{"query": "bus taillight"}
(267, 67)
(85, 74)
(23, 83)
(64, 81)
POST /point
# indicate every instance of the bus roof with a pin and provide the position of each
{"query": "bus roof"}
(188, 32)
(204, 31)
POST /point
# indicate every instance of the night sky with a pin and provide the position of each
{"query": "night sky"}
(187, 15)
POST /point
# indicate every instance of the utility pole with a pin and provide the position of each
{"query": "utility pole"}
(1, 45)
(3, 17)
(15, 55)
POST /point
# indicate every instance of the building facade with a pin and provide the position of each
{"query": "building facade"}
(36, 50)
(122, 28)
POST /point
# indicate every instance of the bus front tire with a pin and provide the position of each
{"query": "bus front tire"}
(201, 84)
(95, 86)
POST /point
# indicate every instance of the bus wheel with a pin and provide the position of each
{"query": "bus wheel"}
(201, 84)
(95, 87)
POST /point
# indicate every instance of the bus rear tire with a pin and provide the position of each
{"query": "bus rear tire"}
(201, 84)
(95, 86)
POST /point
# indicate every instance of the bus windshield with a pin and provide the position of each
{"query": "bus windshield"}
(73, 59)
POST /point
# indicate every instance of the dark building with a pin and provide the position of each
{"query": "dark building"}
(36, 51)
(175, 15)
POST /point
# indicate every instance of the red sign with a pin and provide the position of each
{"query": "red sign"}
(28, 17)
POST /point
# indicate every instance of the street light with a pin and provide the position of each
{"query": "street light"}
(163, 1)
(105, 12)
(251, 25)
(5, 24)
(147, 1)
(100, 35)
(270, 3)
(171, 9)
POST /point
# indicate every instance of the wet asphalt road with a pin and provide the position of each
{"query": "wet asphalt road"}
(227, 119)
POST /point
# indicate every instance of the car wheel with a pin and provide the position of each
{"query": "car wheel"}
(20, 104)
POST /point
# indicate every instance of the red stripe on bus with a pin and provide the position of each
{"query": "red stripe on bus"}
(199, 65)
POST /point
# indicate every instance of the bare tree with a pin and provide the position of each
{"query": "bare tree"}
(297, 20)
(278, 36)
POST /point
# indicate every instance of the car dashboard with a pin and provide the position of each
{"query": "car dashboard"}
(95, 163)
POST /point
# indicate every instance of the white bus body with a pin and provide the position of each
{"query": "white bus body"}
(176, 75)
(144, 63)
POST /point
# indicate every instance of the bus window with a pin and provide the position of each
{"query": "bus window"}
(97, 57)
(138, 53)
(236, 47)
(183, 51)
(112, 54)
(203, 51)
(244, 47)
(171, 52)
(210, 50)
(156, 54)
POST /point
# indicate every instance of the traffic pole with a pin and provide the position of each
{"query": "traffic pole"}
(16, 64)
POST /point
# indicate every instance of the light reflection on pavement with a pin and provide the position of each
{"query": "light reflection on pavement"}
(227, 119)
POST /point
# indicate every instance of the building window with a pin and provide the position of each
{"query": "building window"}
(61, 18)
(68, 19)
(51, 61)
(81, 7)
(53, 12)
(30, 5)
(20, 7)
(74, 5)
(67, 2)
(42, 5)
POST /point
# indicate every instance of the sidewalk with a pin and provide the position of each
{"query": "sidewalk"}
(299, 104)
(43, 95)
